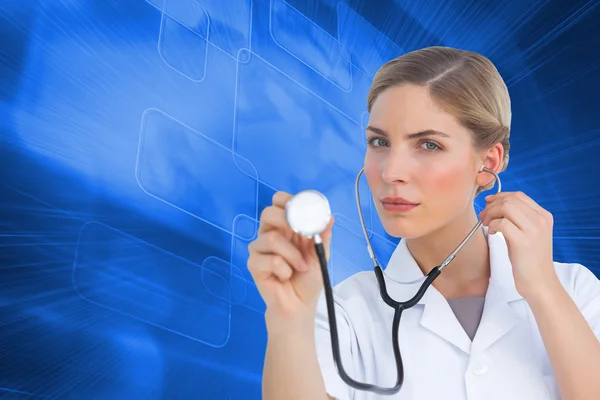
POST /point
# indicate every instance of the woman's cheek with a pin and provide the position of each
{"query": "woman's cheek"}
(445, 185)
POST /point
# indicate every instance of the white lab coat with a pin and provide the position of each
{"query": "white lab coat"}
(506, 359)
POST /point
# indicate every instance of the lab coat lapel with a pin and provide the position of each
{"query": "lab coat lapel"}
(437, 315)
(439, 318)
(401, 269)
(498, 316)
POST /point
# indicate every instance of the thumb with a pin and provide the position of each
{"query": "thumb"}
(326, 236)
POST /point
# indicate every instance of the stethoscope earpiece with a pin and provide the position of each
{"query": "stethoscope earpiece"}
(491, 171)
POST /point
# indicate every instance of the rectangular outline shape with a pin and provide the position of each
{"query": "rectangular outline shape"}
(344, 87)
(234, 156)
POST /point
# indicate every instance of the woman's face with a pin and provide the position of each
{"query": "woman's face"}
(422, 154)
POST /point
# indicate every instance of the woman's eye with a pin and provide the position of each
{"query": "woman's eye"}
(377, 142)
(430, 146)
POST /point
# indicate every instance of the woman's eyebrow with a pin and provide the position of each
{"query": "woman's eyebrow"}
(416, 135)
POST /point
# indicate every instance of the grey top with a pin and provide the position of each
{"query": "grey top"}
(468, 311)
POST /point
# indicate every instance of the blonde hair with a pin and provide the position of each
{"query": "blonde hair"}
(463, 83)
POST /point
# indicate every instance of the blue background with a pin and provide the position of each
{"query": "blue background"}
(140, 141)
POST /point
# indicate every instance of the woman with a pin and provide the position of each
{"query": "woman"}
(503, 321)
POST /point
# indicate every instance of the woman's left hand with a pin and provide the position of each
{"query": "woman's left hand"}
(527, 228)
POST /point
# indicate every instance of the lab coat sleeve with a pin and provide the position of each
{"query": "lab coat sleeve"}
(586, 292)
(334, 385)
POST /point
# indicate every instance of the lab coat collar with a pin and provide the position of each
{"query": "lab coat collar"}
(498, 317)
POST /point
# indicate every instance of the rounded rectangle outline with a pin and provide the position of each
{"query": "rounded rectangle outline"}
(254, 221)
(245, 56)
(249, 44)
(251, 7)
(342, 49)
(142, 242)
(232, 272)
(160, 41)
(251, 283)
(234, 157)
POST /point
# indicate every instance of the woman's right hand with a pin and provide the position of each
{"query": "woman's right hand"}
(285, 267)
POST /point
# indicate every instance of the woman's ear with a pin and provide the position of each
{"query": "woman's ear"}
(491, 158)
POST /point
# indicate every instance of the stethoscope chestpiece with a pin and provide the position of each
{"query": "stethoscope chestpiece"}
(308, 213)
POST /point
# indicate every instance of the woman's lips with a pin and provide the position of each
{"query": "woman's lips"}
(398, 207)
(398, 204)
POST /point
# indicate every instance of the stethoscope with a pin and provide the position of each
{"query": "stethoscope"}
(308, 214)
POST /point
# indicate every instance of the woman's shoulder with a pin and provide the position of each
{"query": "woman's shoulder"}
(578, 280)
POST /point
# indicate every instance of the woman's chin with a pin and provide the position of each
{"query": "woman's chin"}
(403, 229)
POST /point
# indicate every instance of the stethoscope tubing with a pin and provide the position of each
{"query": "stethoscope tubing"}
(398, 307)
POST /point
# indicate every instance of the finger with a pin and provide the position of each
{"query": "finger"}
(510, 231)
(519, 195)
(262, 266)
(511, 208)
(280, 199)
(274, 218)
(273, 242)
(503, 211)
(329, 227)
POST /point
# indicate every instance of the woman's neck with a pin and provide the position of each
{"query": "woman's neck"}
(468, 274)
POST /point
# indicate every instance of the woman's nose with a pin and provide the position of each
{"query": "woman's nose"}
(396, 168)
